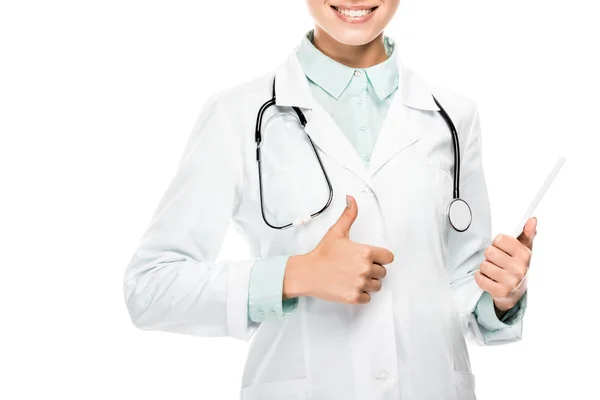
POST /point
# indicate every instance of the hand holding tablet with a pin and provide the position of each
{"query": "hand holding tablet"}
(508, 258)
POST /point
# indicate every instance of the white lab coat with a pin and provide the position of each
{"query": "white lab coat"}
(409, 341)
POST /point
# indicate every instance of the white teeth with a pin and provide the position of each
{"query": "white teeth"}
(354, 13)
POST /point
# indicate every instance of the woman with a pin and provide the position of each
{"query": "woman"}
(346, 305)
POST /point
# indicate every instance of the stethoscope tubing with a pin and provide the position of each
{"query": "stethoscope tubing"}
(456, 147)
(303, 121)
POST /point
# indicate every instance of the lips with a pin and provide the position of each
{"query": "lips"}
(354, 14)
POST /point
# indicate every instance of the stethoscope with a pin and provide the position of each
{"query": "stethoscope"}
(458, 211)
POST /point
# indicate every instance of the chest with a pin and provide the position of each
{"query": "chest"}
(404, 195)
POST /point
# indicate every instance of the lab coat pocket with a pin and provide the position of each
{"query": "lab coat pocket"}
(464, 383)
(288, 389)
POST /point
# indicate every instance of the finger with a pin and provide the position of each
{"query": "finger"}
(380, 255)
(498, 274)
(512, 246)
(493, 288)
(499, 257)
(373, 285)
(378, 271)
(528, 234)
(364, 298)
(508, 244)
(342, 226)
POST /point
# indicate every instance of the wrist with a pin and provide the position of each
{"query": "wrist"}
(499, 312)
(502, 307)
(296, 279)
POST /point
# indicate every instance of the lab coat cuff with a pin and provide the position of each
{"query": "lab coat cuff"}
(516, 313)
(266, 290)
(486, 314)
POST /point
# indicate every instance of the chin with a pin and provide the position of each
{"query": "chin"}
(353, 37)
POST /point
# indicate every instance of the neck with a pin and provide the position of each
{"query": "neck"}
(363, 56)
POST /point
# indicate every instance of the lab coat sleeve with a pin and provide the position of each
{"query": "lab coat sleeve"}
(485, 313)
(466, 249)
(172, 282)
(266, 289)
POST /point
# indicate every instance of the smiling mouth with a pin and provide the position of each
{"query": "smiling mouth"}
(354, 13)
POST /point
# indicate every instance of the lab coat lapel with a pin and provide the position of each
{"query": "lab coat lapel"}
(400, 129)
(402, 125)
(293, 90)
(326, 134)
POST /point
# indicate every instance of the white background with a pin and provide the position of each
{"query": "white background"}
(97, 99)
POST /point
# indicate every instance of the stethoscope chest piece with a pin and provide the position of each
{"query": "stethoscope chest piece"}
(459, 215)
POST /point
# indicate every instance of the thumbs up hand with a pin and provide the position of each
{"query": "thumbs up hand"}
(503, 273)
(338, 269)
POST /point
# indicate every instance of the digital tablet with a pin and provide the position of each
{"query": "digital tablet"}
(519, 228)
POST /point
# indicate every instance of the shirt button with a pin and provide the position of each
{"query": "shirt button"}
(367, 157)
(383, 377)
(362, 128)
(367, 190)
(273, 312)
(359, 100)
(357, 73)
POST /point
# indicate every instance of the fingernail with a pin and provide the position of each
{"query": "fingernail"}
(347, 201)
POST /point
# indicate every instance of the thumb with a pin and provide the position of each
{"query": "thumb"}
(529, 231)
(344, 223)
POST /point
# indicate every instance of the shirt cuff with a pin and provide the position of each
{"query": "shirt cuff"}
(265, 290)
(486, 314)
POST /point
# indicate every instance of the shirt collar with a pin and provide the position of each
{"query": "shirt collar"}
(334, 77)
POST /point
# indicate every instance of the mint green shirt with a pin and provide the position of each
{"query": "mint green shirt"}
(357, 100)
